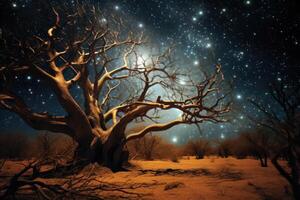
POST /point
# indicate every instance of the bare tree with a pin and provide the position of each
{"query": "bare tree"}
(82, 50)
(260, 144)
(285, 124)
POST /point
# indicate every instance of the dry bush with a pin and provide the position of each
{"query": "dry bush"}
(24, 146)
(240, 147)
(258, 143)
(168, 151)
(144, 148)
(174, 158)
(151, 147)
(14, 145)
(261, 143)
(198, 148)
(223, 147)
(50, 145)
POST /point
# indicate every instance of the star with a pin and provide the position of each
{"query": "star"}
(174, 139)
(117, 7)
(140, 25)
(239, 97)
(208, 45)
(103, 20)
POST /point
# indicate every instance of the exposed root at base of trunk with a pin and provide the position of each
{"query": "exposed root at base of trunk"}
(60, 171)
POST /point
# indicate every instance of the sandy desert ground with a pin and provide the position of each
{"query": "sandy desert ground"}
(189, 179)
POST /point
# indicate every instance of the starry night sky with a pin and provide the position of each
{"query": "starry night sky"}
(256, 42)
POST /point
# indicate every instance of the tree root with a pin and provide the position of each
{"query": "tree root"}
(75, 186)
(61, 171)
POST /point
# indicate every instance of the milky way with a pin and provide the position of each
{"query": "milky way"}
(256, 42)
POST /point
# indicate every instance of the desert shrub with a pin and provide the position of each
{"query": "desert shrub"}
(145, 147)
(51, 145)
(151, 147)
(223, 147)
(24, 146)
(260, 144)
(174, 158)
(14, 145)
(168, 151)
(198, 148)
(240, 147)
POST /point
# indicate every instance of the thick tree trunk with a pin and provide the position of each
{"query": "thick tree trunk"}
(111, 156)
(108, 151)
